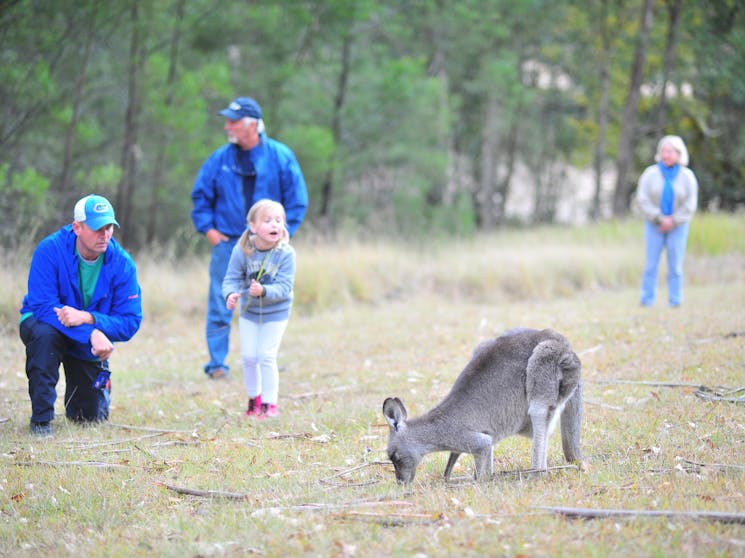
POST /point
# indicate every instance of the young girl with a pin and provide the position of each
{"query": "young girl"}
(260, 275)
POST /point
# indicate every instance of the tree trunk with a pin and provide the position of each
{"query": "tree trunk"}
(130, 149)
(603, 116)
(68, 197)
(628, 125)
(158, 172)
(327, 189)
(671, 45)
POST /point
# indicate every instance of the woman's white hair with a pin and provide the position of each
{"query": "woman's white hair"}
(677, 143)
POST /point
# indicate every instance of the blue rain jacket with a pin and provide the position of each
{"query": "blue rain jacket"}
(218, 190)
(53, 282)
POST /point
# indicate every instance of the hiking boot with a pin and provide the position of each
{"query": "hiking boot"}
(254, 406)
(41, 429)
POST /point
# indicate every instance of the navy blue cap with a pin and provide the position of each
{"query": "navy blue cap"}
(241, 108)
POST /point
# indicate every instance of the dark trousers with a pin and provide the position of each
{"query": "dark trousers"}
(46, 349)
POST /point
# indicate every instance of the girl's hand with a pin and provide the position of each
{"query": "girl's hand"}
(256, 289)
(232, 300)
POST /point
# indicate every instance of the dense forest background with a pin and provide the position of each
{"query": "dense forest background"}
(407, 116)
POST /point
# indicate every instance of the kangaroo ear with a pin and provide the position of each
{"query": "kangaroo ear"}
(394, 412)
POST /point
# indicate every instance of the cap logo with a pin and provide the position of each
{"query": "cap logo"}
(234, 106)
(101, 208)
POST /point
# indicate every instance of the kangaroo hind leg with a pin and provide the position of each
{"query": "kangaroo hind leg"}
(451, 463)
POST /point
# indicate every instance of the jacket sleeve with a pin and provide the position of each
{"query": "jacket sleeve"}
(46, 272)
(686, 206)
(649, 207)
(283, 282)
(294, 192)
(124, 317)
(203, 196)
(235, 276)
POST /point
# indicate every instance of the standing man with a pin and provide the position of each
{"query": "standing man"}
(250, 167)
(83, 295)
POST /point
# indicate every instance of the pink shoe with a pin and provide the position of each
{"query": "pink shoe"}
(254, 407)
(268, 410)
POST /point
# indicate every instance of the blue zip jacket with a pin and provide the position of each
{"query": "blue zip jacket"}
(53, 282)
(218, 190)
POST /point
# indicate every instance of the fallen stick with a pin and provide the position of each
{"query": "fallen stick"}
(590, 513)
(149, 429)
(713, 465)
(720, 394)
(603, 405)
(391, 520)
(357, 468)
(207, 493)
(99, 464)
(309, 394)
(117, 442)
(648, 383)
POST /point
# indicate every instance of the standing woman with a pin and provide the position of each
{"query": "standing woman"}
(667, 195)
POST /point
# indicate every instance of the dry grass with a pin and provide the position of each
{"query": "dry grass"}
(314, 482)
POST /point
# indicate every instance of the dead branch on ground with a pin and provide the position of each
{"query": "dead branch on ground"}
(98, 464)
(720, 394)
(591, 513)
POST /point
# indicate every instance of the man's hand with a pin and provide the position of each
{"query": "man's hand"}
(100, 345)
(71, 317)
(215, 237)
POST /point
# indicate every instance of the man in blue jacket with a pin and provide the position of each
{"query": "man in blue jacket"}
(250, 167)
(83, 295)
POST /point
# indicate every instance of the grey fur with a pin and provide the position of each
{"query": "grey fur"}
(519, 383)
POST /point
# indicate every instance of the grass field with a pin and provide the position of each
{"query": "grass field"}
(179, 471)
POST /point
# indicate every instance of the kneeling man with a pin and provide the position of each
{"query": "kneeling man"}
(83, 295)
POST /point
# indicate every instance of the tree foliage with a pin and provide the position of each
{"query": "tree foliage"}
(406, 115)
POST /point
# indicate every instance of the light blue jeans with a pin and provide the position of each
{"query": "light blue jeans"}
(259, 348)
(218, 316)
(674, 243)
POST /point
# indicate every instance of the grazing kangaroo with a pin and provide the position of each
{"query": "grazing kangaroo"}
(519, 383)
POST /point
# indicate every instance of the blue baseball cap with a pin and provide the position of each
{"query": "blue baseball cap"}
(241, 108)
(94, 211)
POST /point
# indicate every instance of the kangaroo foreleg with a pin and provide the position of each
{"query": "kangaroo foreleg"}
(571, 422)
(539, 418)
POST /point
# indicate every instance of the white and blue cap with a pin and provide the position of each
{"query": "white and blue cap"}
(241, 108)
(94, 211)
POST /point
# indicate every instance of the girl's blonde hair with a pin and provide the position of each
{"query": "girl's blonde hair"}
(254, 214)
(677, 143)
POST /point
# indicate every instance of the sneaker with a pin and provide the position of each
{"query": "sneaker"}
(41, 429)
(254, 406)
(268, 410)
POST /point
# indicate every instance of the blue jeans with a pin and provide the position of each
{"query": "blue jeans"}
(218, 316)
(45, 351)
(674, 242)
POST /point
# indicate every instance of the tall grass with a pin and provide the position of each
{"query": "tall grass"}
(507, 265)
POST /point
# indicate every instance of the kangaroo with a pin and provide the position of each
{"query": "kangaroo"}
(518, 383)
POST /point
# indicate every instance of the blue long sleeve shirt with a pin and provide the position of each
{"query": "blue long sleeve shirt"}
(53, 282)
(218, 191)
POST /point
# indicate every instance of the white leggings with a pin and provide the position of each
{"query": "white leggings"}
(259, 348)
